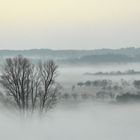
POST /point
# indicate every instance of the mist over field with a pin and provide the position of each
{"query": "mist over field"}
(101, 106)
(70, 70)
(89, 121)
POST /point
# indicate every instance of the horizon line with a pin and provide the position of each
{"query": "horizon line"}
(69, 49)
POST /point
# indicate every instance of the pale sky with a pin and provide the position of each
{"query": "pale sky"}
(69, 24)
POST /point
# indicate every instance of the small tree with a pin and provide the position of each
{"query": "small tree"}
(136, 83)
(30, 87)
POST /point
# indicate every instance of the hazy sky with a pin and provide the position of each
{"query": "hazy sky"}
(69, 24)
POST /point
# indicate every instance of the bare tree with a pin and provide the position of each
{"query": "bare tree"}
(49, 88)
(31, 87)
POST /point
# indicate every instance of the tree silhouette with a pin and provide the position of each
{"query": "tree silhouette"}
(30, 87)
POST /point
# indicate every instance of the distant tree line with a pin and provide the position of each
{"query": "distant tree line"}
(128, 72)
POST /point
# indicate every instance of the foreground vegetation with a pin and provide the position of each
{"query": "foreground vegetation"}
(28, 87)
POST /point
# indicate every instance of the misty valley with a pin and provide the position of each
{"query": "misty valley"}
(78, 86)
(70, 70)
(51, 100)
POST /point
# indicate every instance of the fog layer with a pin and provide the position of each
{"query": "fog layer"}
(89, 121)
